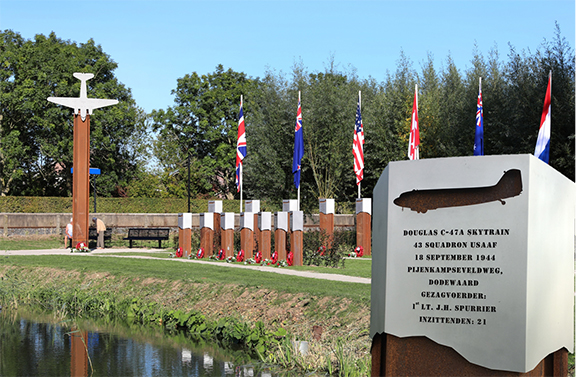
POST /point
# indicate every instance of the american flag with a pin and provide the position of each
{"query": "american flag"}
(240, 147)
(299, 147)
(544, 138)
(358, 142)
(479, 148)
(414, 140)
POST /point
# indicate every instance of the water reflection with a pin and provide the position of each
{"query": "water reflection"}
(29, 348)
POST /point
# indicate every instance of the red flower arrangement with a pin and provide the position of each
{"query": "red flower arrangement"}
(178, 253)
(322, 250)
(274, 257)
(220, 254)
(289, 258)
(200, 253)
(359, 251)
(240, 256)
(258, 257)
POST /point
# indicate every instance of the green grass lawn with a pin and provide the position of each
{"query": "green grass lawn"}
(172, 270)
(31, 242)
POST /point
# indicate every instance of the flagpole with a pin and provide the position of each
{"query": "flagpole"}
(359, 188)
(299, 188)
(417, 106)
(240, 171)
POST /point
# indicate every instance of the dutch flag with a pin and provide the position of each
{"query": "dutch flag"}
(544, 138)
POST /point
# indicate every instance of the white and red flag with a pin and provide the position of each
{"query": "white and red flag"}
(414, 140)
(358, 142)
(544, 138)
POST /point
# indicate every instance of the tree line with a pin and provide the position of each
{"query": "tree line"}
(198, 133)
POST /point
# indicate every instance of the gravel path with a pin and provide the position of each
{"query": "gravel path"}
(105, 252)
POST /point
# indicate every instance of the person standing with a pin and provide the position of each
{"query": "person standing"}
(68, 234)
(100, 229)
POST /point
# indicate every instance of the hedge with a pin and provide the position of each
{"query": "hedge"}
(26, 204)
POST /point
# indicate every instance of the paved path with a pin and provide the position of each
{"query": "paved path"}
(106, 252)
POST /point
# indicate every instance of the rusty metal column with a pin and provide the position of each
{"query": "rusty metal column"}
(327, 220)
(364, 210)
(80, 183)
(281, 227)
(264, 226)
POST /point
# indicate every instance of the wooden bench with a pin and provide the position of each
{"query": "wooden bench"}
(148, 234)
(92, 235)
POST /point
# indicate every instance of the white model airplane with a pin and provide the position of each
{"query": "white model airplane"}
(83, 104)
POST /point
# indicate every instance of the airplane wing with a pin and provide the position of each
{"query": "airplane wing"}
(97, 103)
(64, 101)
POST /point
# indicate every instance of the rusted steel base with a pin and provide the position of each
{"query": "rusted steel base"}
(227, 242)
(280, 243)
(420, 356)
(206, 239)
(327, 224)
(247, 242)
(185, 241)
(264, 243)
(80, 184)
(78, 353)
(364, 232)
(296, 238)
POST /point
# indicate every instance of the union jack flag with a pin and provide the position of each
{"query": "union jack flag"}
(358, 142)
(479, 148)
(240, 147)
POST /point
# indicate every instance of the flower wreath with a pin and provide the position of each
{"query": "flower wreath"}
(220, 254)
(258, 257)
(81, 247)
(322, 250)
(240, 256)
(200, 253)
(359, 251)
(289, 258)
(179, 252)
(274, 257)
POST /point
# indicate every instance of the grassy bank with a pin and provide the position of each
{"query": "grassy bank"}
(220, 293)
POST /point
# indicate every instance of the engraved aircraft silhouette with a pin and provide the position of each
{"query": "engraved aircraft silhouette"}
(421, 201)
(83, 104)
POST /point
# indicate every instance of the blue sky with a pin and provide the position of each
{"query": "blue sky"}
(156, 42)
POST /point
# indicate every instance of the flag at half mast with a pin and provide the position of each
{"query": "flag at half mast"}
(414, 140)
(544, 138)
(358, 141)
(240, 147)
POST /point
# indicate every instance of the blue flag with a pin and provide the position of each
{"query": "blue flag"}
(299, 149)
(479, 149)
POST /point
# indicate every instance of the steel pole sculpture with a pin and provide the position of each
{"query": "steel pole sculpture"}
(83, 107)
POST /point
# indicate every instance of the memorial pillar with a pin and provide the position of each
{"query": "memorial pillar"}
(185, 233)
(473, 268)
(207, 232)
(327, 220)
(80, 183)
(247, 233)
(215, 206)
(296, 236)
(363, 220)
(253, 206)
(227, 233)
(264, 225)
(281, 228)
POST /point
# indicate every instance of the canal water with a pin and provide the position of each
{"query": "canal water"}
(34, 346)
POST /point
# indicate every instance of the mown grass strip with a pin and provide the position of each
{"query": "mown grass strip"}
(199, 273)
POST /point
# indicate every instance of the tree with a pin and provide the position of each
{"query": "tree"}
(36, 136)
(204, 123)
